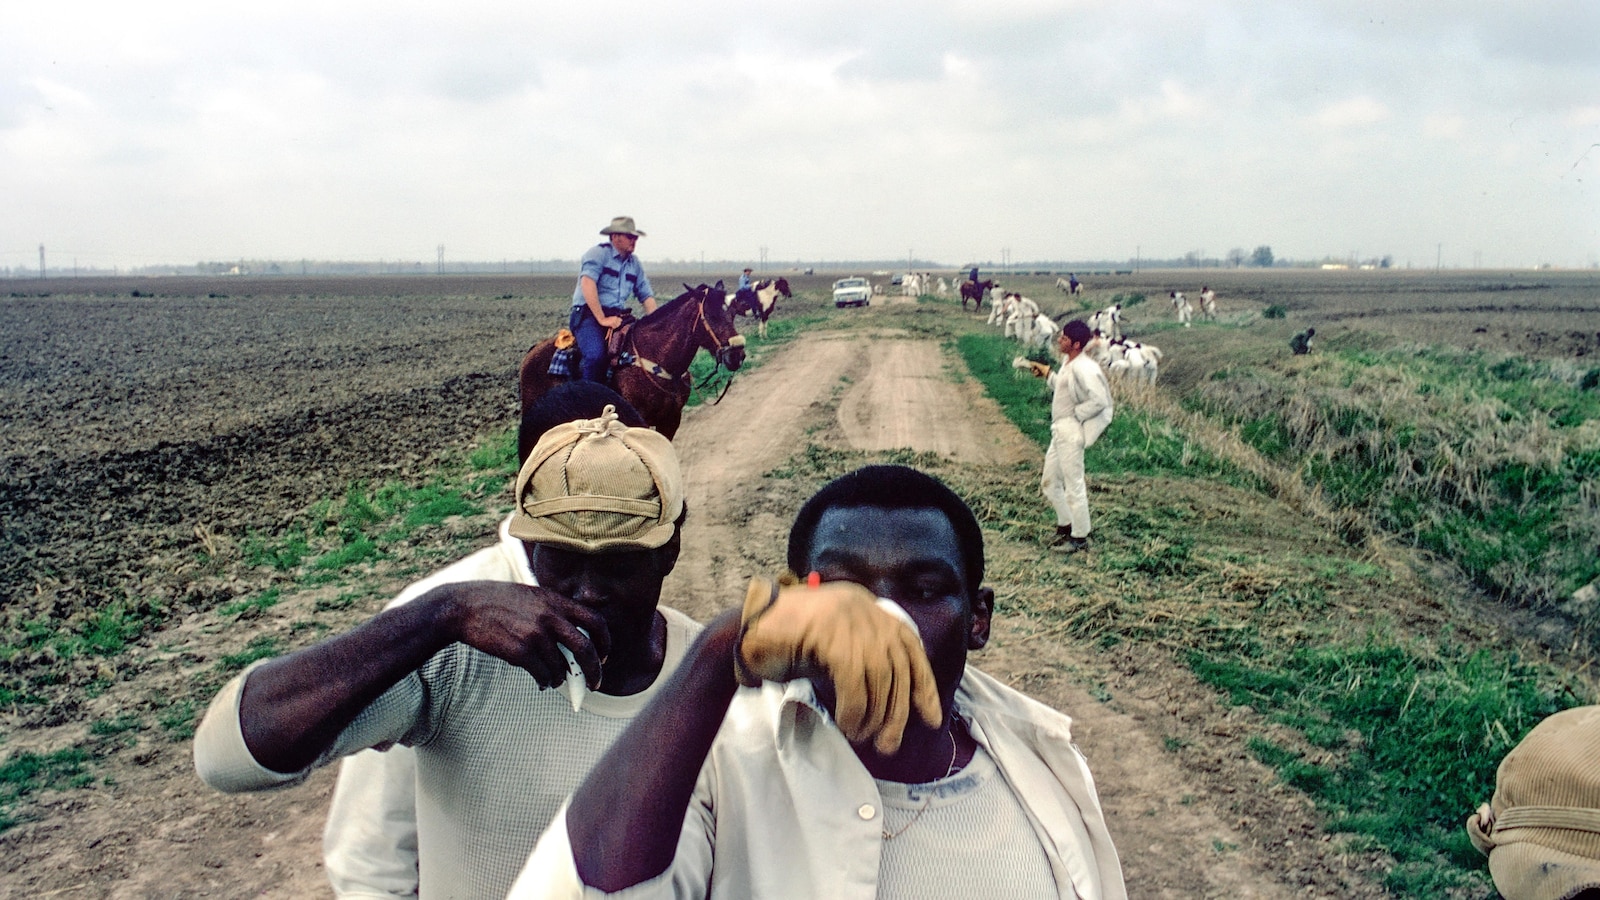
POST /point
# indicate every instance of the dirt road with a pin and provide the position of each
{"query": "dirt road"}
(1182, 832)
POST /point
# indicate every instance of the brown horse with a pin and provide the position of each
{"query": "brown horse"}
(974, 291)
(651, 369)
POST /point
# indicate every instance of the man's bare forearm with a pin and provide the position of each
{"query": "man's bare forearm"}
(294, 707)
(625, 818)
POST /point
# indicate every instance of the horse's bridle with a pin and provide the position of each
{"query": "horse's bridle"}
(655, 368)
(736, 341)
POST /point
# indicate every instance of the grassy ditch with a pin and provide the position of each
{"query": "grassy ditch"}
(1372, 699)
(1491, 462)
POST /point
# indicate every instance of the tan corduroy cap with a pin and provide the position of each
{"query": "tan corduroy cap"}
(1541, 832)
(596, 484)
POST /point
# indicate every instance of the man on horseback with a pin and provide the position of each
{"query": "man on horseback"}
(745, 296)
(607, 277)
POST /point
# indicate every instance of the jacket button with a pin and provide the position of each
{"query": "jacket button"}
(866, 811)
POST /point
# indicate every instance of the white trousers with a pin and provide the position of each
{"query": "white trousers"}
(1063, 483)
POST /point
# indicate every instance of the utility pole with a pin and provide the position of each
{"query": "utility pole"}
(1438, 258)
(1136, 254)
(41, 260)
(441, 259)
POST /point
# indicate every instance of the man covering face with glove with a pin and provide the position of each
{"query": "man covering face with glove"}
(827, 738)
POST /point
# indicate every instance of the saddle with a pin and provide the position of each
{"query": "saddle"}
(566, 360)
(746, 299)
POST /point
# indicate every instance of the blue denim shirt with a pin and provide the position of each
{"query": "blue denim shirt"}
(618, 279)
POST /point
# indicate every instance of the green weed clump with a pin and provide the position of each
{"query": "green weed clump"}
(1490, 462)
(1401, 741)
(27, 772)
(260, 647)
(100, 632)
(337, 535)
(252, 605)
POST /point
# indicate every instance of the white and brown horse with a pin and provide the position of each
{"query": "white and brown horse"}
(762, 300)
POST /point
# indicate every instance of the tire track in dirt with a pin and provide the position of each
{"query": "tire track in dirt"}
(911, 397)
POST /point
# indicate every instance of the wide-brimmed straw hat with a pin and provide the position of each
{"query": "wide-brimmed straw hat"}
(622, 225)
(596, 485)
(1541, 831)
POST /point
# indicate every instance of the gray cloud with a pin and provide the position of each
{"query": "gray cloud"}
(954, 128)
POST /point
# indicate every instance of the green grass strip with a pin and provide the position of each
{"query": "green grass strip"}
(1413, 733)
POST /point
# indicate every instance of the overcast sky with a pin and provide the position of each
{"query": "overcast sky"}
(144, 133)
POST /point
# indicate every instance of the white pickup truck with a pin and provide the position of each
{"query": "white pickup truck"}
(852, 292)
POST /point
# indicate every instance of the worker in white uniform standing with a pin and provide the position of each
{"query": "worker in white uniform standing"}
(1079, 413)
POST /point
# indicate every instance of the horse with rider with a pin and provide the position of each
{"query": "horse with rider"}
(646, 360)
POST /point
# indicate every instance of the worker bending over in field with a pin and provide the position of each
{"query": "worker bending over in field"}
(1300, 344)
(456, 669)
(829, 739)
(1080, 410)
(608, 277)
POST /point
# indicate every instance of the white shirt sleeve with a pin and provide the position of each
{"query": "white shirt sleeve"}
(220, 755)
(552, 874)
(369, 845)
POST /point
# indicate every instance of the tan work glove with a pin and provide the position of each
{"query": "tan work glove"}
(875, 661)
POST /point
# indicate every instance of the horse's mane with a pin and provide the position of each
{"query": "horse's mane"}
(691, 295)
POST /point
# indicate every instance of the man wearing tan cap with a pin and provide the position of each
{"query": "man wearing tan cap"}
(1541, 831)
(457, 671)
(608, 276)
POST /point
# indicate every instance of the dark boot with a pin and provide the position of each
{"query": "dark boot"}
(1073, 544)
(1062, 535)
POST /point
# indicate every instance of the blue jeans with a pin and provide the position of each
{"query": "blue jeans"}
(591, 338)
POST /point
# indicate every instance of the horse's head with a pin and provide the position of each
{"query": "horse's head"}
(719, 335)
(782, 284)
